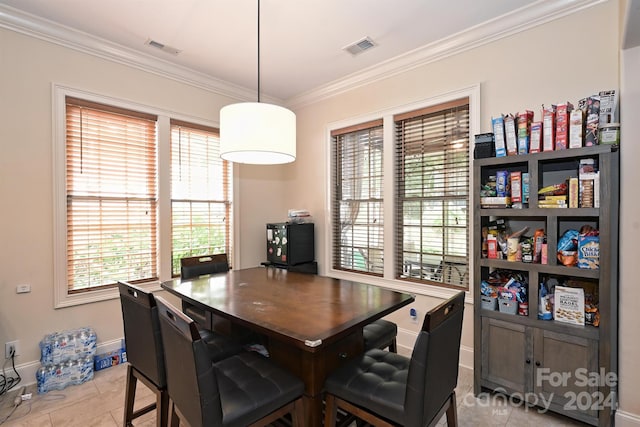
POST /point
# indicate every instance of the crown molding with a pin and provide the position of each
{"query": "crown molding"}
(540, 12)
(43, 29)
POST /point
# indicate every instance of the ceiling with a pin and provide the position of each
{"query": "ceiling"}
(301, 41)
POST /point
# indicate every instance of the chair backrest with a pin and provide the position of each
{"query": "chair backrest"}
(191, 378)
(433, 370)
(142, 332)
(195, 266)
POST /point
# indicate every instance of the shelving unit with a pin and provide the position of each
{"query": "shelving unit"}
(524, 356)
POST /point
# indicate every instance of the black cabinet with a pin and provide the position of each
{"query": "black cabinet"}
(290, 244)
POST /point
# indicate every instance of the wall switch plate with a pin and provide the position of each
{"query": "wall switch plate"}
(23, 289)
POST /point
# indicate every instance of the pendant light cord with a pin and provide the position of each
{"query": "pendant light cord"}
(258, 50)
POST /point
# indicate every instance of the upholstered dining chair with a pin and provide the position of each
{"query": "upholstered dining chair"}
(388, 389)
(145, 351)
(380, 334)
(242, 390)
(196, 266)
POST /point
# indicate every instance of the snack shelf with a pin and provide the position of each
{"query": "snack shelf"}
(541, 212)
(559, 270)
(510, 347)
(547, 155)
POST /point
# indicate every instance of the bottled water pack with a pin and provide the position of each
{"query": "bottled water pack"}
(67, 359)
(60, 375)
(60, 347)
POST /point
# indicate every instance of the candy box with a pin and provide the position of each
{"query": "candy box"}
(589, 252)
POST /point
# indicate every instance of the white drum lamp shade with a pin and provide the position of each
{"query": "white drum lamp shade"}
(257, 133)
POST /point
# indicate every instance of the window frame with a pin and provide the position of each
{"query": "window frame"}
(62, 298)
(472, 92)
(419, 120)
(339, 138)
(227, 184)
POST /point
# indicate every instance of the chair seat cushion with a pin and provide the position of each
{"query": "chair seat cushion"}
(377, 381)
(251, 387)
(379, 334)
(219, 346)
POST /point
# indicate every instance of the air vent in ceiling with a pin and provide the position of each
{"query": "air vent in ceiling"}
(359, 46)
(162, 47)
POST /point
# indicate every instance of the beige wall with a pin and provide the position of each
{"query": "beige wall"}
(549, 64)
(630, 236)
(29, 68)
(555, 62)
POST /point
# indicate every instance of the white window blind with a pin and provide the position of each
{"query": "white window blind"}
(201, 194)
(357, 180)
(432, 200)
(111, 188)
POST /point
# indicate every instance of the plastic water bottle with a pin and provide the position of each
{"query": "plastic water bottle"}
(59, 347)
(60, 375)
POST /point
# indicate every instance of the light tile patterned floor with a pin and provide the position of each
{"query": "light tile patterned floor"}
(100, 402)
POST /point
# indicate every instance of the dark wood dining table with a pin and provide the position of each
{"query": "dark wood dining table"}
(311, 324)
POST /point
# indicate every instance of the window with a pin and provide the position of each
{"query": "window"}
(111, 196)
(200, 194)
(432, 200)
(135, 189)
(357, 182)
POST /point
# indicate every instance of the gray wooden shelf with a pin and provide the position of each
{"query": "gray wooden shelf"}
(509, 349)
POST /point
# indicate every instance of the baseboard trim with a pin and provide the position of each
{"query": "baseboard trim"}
(627, 419)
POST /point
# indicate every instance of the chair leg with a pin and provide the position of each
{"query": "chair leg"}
(330, 410)
(175, 419)
(452, 412)
(129, 397)
(162, 415)
(393, 346)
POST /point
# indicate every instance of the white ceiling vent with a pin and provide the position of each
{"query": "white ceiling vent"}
(162, 47)
(359, 46)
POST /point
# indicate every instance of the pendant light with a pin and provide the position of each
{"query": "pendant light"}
(256, 132)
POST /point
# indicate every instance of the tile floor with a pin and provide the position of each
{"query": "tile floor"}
(99, 403)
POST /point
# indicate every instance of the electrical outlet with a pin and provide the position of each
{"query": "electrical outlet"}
(11, 345)
(23, 289)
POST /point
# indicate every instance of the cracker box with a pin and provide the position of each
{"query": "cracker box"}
(516, 186)
(563, 112)
(498, 134)
(573, 192)
(535, 143)
(525, 187)
(511, 135)
(608, 103)
(524, 131)
(589, 252)
(576, 128)
(568, 305)
(549, 128)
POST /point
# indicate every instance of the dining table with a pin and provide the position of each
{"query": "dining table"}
(309, 324)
